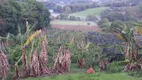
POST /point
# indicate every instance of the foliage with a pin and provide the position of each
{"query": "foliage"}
(49, 5)
(131, 50)
(115, 67)
(10, 15)
(13, 14)
(106, 27)
(14, 49)
(91, 18)
(67, 10)
(105, 39)
(72, 18)
(58, 9)
(31, 37)
(136, 73)
(92, 55)
(117, 26)
(63, 16)
(81, 7)
(104, 23)
(112, 16)
(105, 20)
(35, 12)
(129, 14)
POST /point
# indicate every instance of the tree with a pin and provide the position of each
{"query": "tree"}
(104, 24)
(91, 18)
(35, 12)
(63, 16)
(131, 48)
(72, 18)
(10, 15)
(13, 14)
(105, 20)
(117, 26)
(49, 5)
(67, 10)
(58, 9)
(115, 16)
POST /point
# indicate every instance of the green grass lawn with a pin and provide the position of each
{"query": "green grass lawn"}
(93, 11)
(79, 74)
(96, 76)
(67, 22)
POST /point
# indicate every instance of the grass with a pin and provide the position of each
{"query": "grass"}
(67, 22)
(96, 76)
(92, 11)
(79, 74)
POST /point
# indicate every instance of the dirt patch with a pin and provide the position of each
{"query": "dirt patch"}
(77, 27)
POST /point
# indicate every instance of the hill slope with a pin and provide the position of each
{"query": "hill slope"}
(92, 11)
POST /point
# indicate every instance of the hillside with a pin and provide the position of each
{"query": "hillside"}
(92, 11)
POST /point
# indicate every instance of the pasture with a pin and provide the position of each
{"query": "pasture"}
(92, 11)
(75, 25)
(67, 22)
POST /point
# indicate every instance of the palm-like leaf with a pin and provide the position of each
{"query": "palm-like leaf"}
(138, 30)
(31, 37)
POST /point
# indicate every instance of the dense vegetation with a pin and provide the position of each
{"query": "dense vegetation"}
(14, 13)
(29, 48)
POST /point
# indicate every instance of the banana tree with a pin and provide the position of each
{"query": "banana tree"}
(127, 35)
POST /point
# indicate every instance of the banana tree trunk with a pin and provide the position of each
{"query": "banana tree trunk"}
(127, 51)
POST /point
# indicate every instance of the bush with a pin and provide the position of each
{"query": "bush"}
(115, 67)
(10, 76)
(117, 25)
(105, 25)
(106, 28)
(91, 18)
(72, 18)
(137, 73)
(105, 20)
(63, 17)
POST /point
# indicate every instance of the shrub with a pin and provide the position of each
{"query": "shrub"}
(72, 18)
(137, 73)
(115, 67)
(91, 18)
(104, 23)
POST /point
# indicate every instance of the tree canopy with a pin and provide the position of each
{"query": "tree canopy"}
(14, 12)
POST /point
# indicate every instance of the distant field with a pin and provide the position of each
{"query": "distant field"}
(75, 25)
(65, 22)
(93, 11)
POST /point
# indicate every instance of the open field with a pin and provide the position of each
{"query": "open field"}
(75, 25)
(67, 22)
(93, 11)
